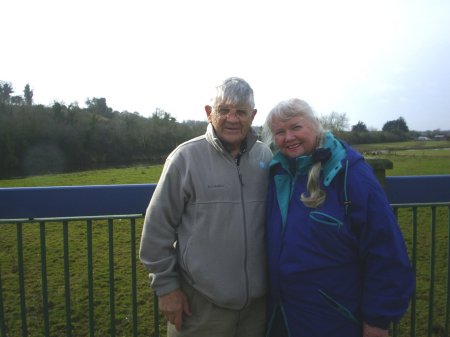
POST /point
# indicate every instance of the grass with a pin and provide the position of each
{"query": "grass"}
(408, 145)
(78, 254)
(406, 161)
(128, 175)
(426, 233)
(122, 247)
(409, 159)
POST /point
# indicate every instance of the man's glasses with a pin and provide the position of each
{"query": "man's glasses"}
(224, 111)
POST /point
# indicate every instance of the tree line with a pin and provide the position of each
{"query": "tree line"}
(6, 97)
(392, 131)
(37, 139)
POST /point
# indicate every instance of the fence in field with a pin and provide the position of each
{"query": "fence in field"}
(69, 264)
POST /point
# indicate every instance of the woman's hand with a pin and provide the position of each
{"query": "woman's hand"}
(372, 331)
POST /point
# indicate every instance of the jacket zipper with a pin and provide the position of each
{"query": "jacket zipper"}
(238, 160)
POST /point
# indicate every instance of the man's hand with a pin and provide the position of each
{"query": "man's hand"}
(173, 305)
(372, 331)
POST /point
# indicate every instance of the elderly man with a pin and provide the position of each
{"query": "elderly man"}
(203, 235)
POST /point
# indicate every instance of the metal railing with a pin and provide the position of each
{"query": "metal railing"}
(34, 283)
(69, 262)
(69, 259)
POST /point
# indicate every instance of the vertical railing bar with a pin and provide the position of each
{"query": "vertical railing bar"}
(395, 330)
(23, 308)
(414, 266)
(432, 271)
(67, 279)
(133, 276)
(156, 314)
(2, 316)
(447, 310)
(395, 325)
(44, 279)
(90, 278)
(112, 302)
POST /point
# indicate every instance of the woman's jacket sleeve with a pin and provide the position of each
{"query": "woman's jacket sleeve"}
(387, 277)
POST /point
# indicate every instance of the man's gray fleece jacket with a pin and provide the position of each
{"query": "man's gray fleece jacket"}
(205, 222)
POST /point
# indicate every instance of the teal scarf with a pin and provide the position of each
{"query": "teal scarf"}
(301, 165)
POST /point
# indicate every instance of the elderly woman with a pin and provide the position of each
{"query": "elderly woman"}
(337, 259)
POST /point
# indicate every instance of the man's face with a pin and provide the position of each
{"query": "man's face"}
(231, 123)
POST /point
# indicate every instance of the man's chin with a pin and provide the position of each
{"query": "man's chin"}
(232, 142)
(232, 136)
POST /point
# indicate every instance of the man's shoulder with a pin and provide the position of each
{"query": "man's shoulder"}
(262, 145)
(194, 144)
(262, 149)
(197, 141)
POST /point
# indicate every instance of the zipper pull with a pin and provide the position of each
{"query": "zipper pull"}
(240, 175)
(238, 161)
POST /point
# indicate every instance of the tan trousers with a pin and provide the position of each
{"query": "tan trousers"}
(209, 320)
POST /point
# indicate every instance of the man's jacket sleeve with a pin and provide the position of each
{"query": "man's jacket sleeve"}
(159, 233)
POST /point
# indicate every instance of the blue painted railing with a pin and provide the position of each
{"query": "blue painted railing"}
(74, 201)
(100, 200)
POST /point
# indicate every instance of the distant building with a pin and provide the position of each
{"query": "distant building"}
(423, 138)
(440, 137)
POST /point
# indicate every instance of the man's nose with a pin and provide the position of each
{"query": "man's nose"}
(232, 115)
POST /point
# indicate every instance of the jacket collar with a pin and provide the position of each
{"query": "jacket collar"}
(215, 141)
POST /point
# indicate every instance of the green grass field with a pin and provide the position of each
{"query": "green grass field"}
(122, 247)
(412, 158)
(405, 160)
(128, 175)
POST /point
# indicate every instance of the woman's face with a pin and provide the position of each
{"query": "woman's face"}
(294, 137)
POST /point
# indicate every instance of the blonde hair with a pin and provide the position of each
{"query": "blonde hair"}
(316, 196)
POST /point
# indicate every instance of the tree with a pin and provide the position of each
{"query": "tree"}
(16, 100)
(161, 114)
(396, 126)
(28, 95)
(335, 122)
(359, 127)
(6, 89)
(99, 106)
(58, 112)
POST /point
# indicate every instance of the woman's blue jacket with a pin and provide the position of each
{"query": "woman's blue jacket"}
(336, 266)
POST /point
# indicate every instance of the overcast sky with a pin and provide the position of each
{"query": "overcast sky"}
(375, 61)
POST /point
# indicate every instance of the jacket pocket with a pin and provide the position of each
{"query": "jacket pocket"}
(183, 261)
(325, 219)
(341, 309)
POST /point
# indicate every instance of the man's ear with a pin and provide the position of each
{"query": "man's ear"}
(208, 110)
(254, 113)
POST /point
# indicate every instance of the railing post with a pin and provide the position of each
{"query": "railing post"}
(379, 167)
(2, 317)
